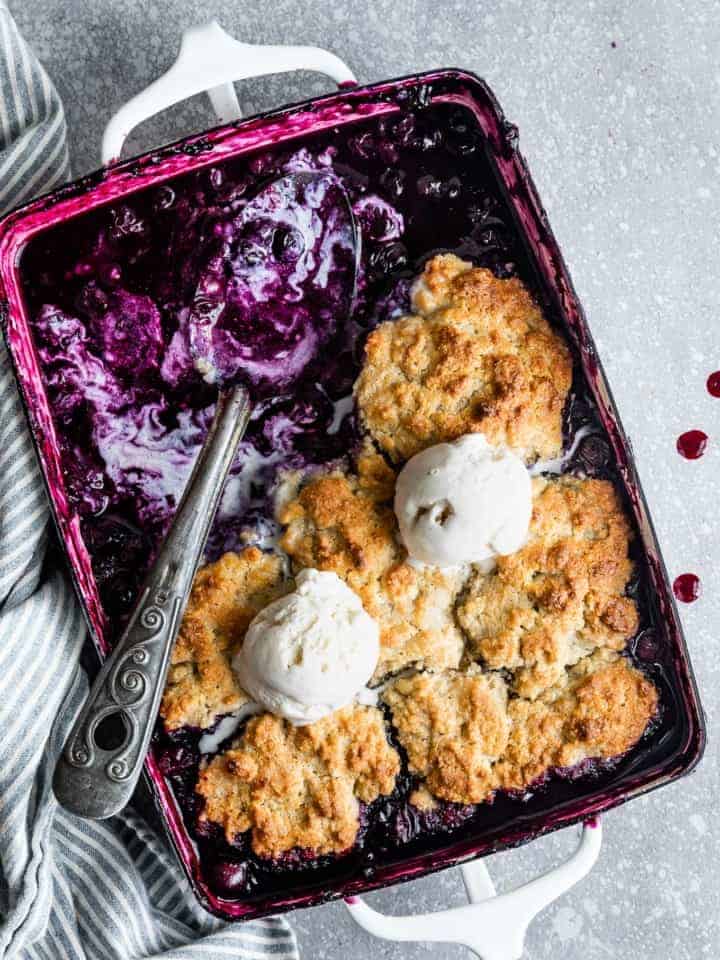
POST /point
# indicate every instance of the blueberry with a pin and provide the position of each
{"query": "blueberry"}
(263, 164)
(119, 594)
(126, 223)
(426, 140)
(453, 815)
(647, 646)
(208, 830)
(96, 479)
(475, 212)
(388, 259)
(228, 878)
(251, 253)
(164, 198)
(363, 145)
(393, 182)
(110, 274)
(594, 453)
(459, 121)
(429, 186)
(505, 270)
(287, 244)
(389, 152)
(452, 188)
(175, 759)
(92, 300)
(463, 141)
(633, 585)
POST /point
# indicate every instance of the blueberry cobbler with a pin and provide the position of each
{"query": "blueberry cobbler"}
(419, 606)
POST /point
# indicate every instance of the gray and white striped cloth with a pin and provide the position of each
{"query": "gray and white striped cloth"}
(69, 889)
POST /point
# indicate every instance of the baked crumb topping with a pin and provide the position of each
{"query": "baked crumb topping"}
(465, 738)
(599, 710)
(225, 597)
(453, 726)
(300, 786)
(562, 595)
(337, 523)
(477, 356)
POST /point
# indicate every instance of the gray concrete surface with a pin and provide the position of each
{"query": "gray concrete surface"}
(619, 112)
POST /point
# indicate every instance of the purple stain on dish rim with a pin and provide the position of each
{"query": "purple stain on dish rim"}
(463, 187)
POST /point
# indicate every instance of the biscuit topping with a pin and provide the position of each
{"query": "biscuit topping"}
(300, 786)
(225, 597)
(599, 709)
(454, 726)
(550, 690)
(561, 596)
(477, 356)
(465, 738)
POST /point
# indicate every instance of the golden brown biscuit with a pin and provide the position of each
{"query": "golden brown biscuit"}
(562, 595)
(599, 710)
(454, 726)
(300, 786)
(337, 523)
(225, 597)
(375, 476)
(477, 357)
(466, 739)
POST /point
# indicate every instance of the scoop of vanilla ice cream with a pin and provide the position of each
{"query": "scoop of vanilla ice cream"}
(463, 502)
(310, 652)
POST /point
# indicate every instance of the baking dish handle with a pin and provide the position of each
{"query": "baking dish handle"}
(492, 925)
(209, 61)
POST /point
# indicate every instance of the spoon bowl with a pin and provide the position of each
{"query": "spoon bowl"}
(275, 287)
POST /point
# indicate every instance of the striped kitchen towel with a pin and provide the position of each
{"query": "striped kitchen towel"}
(69, 889)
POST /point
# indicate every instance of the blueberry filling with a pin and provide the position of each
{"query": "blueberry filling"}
(126, 299)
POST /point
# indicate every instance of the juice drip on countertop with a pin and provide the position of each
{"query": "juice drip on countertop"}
(692, 444)
(687, 587)
(713, 384)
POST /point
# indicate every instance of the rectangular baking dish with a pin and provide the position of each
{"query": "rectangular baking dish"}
(679, 744)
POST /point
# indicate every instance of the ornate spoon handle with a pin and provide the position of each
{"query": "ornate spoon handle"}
(103, 757)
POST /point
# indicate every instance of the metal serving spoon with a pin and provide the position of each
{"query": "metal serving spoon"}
(103, 757)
